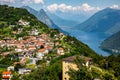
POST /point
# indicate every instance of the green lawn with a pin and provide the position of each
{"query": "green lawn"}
(2, 69)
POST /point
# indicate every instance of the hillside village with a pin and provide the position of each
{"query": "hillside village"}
(27, 53)
(30, 50)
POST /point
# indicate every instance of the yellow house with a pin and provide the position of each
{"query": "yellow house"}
(69, 63)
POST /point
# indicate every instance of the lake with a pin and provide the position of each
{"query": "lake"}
(92, 39)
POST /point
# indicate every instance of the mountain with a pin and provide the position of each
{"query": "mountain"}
(32, 11)
(60, 21)
(42, 16)
(70, 46)
(17, 14)
(11, 28)
(11, 16)
(112, 44)
(106, 20)
(45, 19)
(51, 19)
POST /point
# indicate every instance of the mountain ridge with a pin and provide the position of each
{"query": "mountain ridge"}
(102, 21)
(43, 17)
(51, 64)
(112, 43)
(60, 21)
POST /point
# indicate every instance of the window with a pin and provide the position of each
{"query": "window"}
(65, 79)
(65, 73)
(66, 68)
(65, 62)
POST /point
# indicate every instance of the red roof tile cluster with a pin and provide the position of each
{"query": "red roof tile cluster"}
(6, 75)
(6, 72)
(41, 50)
(60, 49)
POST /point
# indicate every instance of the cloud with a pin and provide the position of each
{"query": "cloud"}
(33, 1)
(22, 1)
(115, 6)
(67, 8)
(7, 1)
(52, 7)
(39, 1)
(86, 7)
(26, 1)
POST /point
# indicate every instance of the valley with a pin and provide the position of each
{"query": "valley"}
(59, 40)
(93, 40)
(103, 25)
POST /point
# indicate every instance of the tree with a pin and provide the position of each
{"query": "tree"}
(37, 74)
(83, 73)
(51, 72)
(107, 76)
(7, 60)
(17, 66)
(15, 76)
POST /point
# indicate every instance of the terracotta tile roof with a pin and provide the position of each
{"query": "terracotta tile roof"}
(33, 47)
(16, 63)
(72, 58)
(41, 50)
(69, 59)
(6, 73)
(60, 49)
(48, 47)
(39, 43)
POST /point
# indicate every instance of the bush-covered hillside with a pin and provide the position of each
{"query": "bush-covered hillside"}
(12, 29)
(12, 15)
(112, 44)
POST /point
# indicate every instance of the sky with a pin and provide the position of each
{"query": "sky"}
(61, 7)
(63, 4)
